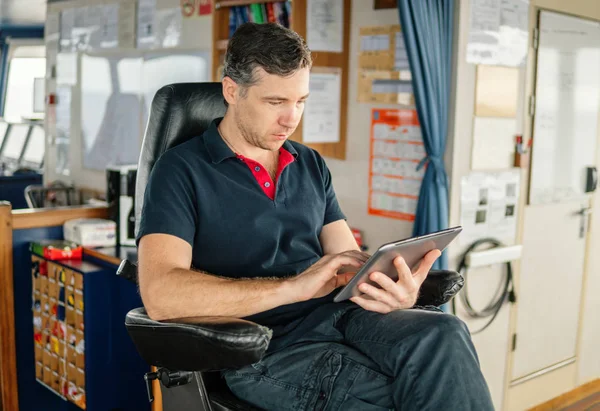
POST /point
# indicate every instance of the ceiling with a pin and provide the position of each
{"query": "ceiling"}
(23, 12)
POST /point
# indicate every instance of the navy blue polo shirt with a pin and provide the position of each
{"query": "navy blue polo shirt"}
(201, 192)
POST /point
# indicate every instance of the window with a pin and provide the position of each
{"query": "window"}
(15, 139)
(22, 72)
(34, 152)
(3, 128)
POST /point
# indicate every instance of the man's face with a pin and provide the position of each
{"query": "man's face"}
(271, 109)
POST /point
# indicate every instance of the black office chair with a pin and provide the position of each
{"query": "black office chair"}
(190, 352)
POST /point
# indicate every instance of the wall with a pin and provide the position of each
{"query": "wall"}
(493, 345)
(196, 34)
(351, 177)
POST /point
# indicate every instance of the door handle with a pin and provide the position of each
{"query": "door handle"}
(591, 179)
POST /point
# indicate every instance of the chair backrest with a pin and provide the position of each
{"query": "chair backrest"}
(178, 112)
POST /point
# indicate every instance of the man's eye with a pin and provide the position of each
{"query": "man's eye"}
(275, 103)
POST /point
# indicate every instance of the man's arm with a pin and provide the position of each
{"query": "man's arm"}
(336, 237)
(171, 290)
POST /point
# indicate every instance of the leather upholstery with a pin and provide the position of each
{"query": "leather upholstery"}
(178, 113)
(439, 287)
(197, 344)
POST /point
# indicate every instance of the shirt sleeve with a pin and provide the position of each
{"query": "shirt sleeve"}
(333, 212)
(170, 205)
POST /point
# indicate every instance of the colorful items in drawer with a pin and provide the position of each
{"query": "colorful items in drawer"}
(37, 321)
(57, 249)
(76, 395)
(60, 312)
(39, 267)
(59, 330)
(80, 347)
(37, 305)
(62, 276)
(71, 300)
(55, 345)
(38, 338)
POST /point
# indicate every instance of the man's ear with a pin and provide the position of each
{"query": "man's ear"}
(230, 90)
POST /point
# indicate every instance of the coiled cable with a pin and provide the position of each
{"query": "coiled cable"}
(504, 292)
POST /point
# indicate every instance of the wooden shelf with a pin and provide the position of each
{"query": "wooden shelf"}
(221, 44)
(233, 3)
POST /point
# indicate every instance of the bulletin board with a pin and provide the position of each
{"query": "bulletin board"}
(384, 70)
(396, 148)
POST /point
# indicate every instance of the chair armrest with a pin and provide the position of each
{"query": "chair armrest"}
(128, 271)
(439, 287)
(197, 344)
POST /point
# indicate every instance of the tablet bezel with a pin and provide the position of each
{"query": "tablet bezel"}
(411, 249)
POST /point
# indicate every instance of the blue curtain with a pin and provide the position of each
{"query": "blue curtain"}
(11, 31)
(427, 27)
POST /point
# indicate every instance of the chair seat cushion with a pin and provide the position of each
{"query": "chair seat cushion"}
(197, 344)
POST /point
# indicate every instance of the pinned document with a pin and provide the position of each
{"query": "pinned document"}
(396, 150)
(325, 25)
(488, 205)
(322, 113)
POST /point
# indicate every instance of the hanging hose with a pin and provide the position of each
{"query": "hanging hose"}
(505, 290)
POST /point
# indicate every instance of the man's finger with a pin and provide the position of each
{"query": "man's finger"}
(379, 295)
(425, 265)
(371, 305)
(404, 273)
(341, 260)
(358, 254)
(389, 285)
(343, 279)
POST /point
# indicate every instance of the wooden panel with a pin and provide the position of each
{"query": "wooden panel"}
(385, 4)
(323, 59)
(9, 399)
(220, 36)
(570, 398)
(51, 217)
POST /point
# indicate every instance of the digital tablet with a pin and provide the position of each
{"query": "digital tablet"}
(411, 249)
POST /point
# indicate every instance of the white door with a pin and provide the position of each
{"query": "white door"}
(565, 132)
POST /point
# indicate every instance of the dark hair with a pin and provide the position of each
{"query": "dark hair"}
(272, 47)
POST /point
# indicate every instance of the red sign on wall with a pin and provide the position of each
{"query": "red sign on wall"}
(204, 7)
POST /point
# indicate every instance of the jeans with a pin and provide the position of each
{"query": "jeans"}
(342, 357)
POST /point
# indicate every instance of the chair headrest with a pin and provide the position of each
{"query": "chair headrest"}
(178, 113)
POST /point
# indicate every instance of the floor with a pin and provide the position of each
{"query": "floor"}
(584, 398)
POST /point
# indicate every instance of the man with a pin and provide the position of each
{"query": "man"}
(242, 222)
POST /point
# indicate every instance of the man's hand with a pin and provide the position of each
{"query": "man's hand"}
(395, 295)
(327, 274)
